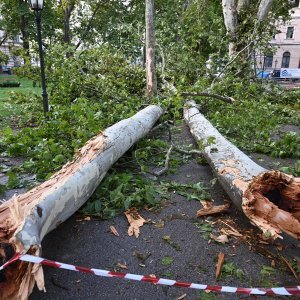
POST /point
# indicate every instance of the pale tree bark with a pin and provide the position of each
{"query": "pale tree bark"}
(27, 218)
(242, 5)
(151, 87)
(233, 17)
(230, 21)
(264, 9)
(270, 199)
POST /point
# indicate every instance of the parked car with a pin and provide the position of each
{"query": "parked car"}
(6, 70)
(263, 74)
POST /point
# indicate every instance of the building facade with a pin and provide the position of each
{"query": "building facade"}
(286, 44)
(6, 48)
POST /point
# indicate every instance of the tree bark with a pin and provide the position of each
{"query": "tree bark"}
(26, 219)
(270, 199)
(264, 8)
(242, 4)
(230, 21)
(150, 50)
(25, 35)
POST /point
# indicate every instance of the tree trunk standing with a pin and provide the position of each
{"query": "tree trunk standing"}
(150, 50)
(230, 21)
(67, 30)
(235, 13)
(264, 8)
(27, 218)
(270, 199)
(25, 36)
(67, 7)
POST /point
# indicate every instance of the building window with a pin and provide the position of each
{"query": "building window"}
(290, 33)
(286, 60)
(268, 61)
(16, 39)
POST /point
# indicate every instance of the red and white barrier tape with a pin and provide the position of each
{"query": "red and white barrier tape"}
(284, 291)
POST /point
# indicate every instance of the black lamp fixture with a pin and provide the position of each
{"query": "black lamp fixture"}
(37, 7)
(36, 4)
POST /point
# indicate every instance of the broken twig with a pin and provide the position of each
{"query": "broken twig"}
(167, 162)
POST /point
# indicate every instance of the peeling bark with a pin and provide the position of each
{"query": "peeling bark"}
(270, 199)
(230, 21)
(27, 218)
(150, 49)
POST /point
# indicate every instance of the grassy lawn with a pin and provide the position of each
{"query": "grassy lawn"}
(7, 109)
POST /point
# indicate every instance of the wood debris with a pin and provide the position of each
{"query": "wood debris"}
(114, 231)
(135, 221)
(221, 258)
(213, 210)
(223, 238)
(290, 267)
(122, 266)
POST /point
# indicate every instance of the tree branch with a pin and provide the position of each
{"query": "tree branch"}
(206, 94)
(167, 162)
(264, 8)
(88, 28)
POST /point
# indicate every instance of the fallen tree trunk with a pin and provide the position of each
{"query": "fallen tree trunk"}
(27, 218)
(270, 199)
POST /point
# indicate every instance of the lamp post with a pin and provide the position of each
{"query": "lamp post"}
(37, 6)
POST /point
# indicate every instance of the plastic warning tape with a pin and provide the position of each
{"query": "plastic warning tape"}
(283, 291)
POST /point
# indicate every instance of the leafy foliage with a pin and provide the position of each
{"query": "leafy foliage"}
(193, 191)
(92, 90)
(230, 269)
(119, 191)
(253, 121)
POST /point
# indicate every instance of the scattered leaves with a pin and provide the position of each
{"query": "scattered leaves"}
(135, 222)
(167, 261)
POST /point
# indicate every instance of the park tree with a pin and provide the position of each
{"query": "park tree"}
(150, 49)
(251, 24)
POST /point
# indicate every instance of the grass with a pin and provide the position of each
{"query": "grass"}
(8, 109)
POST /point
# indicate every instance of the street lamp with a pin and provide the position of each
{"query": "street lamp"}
(37, 6)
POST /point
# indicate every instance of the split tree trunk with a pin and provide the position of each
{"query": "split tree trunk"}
(27, 218)
(150, 49)
(270, 199)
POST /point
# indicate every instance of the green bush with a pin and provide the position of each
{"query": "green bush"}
(10, 84)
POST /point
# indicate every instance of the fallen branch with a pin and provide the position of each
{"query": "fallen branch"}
(213, 210)
(270, 199)
(27, 218)
(167, 162)
(206, 94)
(188, 152)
